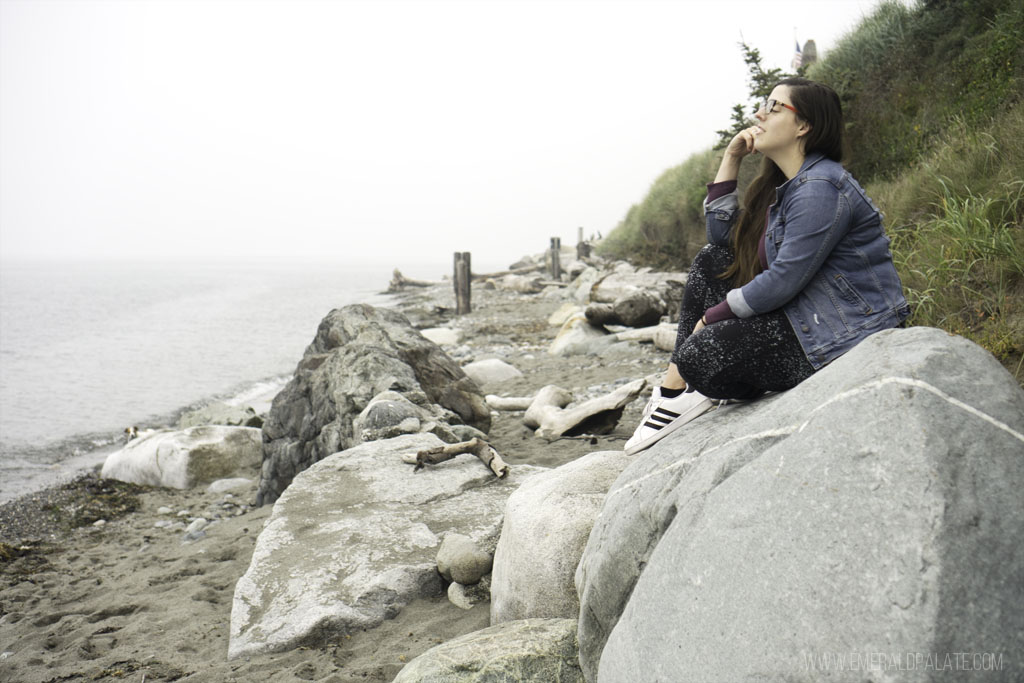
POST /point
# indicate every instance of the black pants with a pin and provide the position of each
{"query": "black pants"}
(737, 358)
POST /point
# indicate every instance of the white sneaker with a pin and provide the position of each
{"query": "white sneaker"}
(662, 416)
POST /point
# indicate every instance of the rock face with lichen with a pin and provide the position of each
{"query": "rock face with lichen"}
(359, 351)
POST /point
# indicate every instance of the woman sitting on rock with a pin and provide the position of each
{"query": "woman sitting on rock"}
(797, 278)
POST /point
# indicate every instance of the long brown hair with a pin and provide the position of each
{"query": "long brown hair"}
(819, 106)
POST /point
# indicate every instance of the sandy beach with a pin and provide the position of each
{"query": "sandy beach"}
(129, 598)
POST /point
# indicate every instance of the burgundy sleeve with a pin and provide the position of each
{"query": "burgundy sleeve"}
(716, 190)
(718, 313)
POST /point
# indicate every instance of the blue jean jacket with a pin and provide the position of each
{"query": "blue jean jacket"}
(829, 264)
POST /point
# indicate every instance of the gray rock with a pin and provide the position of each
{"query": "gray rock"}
(529, 650)
(221, 414)
(547, 522)
(185, 458)
(355, 538)
(875, 508)
(197, 525)
(461, 560)
(231, 484)
(358, 352)
(442, 336)
(466, 597)
(491, 371)
(579, 290)
(577, 336)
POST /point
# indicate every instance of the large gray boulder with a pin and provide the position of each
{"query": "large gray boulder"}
(355, 538)
(542, 650)
(547, 522)
(874, 509)
(358, 352)
(186, 458)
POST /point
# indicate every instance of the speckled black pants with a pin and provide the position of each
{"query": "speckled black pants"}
(737, 358)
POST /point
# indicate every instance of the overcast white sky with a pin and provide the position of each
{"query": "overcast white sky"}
(355, 131)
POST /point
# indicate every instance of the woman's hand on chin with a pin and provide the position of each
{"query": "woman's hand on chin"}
(743, 143)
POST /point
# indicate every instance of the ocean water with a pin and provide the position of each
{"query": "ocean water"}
(87, 349)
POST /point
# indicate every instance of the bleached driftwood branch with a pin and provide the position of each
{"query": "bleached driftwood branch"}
(439, 454)
(508, 403)
(398, 281)
(548, 413)
(514, 271)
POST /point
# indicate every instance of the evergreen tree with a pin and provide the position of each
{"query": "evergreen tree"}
(761, 82)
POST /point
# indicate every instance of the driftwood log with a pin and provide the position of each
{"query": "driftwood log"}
(478, 447)
(508, 403)
(641, 308)
(399, 281)
(514, 271)
(597, 416)
(602, 314)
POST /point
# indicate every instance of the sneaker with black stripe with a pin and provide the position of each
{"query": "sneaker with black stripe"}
(662, 416)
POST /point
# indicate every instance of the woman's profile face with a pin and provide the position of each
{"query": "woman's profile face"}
(780, 129)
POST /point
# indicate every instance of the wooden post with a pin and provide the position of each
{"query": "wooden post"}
(582, 247)
(556, 264)
(462, 276)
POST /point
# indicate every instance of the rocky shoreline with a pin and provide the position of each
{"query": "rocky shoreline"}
(108, 586)
(872, 509)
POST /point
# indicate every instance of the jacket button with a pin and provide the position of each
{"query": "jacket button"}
(805, 328)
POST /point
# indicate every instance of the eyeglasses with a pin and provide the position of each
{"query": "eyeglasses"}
(769, 107)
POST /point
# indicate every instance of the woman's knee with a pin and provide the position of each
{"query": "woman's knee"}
(712, 259)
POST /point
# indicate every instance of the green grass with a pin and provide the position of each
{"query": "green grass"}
(666, 229)
(957, 223)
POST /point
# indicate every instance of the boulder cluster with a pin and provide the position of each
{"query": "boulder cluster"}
(875, 508)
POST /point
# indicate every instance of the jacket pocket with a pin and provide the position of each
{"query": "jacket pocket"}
(850, 295)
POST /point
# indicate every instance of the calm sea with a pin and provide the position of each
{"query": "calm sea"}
(87, 349)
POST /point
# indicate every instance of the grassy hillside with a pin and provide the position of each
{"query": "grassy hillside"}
(935, 123)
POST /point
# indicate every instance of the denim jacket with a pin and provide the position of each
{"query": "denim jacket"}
(829, 265)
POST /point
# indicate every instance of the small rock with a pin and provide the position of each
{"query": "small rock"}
(164, 510)
(162, 524)
(197, 524)
(99, 522)
(460, 560)
(491, 371)
(457, 596)
(222, 485)
(442, 336)
(194, 536)
(183, 513)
